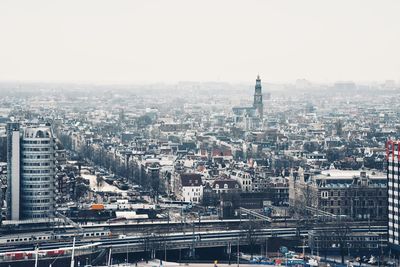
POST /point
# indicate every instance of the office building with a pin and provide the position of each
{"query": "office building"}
(13, 171)
(31, 161)
(393, 178)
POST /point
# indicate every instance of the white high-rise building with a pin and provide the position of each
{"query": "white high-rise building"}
(32, 161)
(393, 176)
(13, 171)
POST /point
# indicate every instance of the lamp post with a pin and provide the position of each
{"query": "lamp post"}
(348, 250)
(238, 249)
(193, 241)
(165, 250)
(229, 253)
(127, 252)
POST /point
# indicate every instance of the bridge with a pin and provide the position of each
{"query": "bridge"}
(185, 240)
(320, 212)
(256, 215)
(195, 240)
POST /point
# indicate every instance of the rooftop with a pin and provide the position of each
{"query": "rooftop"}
(349, 174)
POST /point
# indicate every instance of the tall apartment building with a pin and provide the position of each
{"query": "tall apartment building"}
(13, 171)
(31, 161)
(393, 177)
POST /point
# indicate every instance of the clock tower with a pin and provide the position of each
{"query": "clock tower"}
(258, 101)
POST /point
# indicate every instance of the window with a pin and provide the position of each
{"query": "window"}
(324, 194)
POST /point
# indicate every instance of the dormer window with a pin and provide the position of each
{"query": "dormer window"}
(39, 134)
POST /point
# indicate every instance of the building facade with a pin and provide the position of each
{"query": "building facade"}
(359, 195)
(244, 179)
(31, 159)
(191, 187)
(329, 241)
(13, 171)
(393, 178)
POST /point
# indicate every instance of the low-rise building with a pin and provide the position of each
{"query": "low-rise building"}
(191, 187)
(360, 195)
(223, 186)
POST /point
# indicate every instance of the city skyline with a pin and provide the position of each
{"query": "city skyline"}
(166, 133)
(228, 41)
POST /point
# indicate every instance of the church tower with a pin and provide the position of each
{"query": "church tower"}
(258, 101)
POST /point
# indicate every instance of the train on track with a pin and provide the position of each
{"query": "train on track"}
(42, 237)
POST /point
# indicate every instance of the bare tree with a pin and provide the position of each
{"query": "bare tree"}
(306, 199)
(251, 227)
(337, 235)
(99, 180)
(342, 232)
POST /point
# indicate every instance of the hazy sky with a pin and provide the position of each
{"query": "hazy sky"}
(205, 40)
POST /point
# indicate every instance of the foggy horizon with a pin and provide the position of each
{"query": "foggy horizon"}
(147, 42)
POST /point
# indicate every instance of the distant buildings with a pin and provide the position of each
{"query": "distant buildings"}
(31, 165)
(251, 117)
(243, 158)
(345, 86)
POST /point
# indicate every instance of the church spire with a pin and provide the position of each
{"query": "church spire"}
(258, 100)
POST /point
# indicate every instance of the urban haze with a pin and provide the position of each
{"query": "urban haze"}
(199, 133)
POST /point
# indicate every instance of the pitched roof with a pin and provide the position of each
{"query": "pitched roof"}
(230, 182)
(221, 152)
(191, 179)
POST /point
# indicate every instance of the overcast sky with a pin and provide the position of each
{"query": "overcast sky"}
(206, 40)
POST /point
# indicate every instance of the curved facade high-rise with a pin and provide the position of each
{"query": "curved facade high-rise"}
(37, 172)
(31, 164)
(393, 178)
